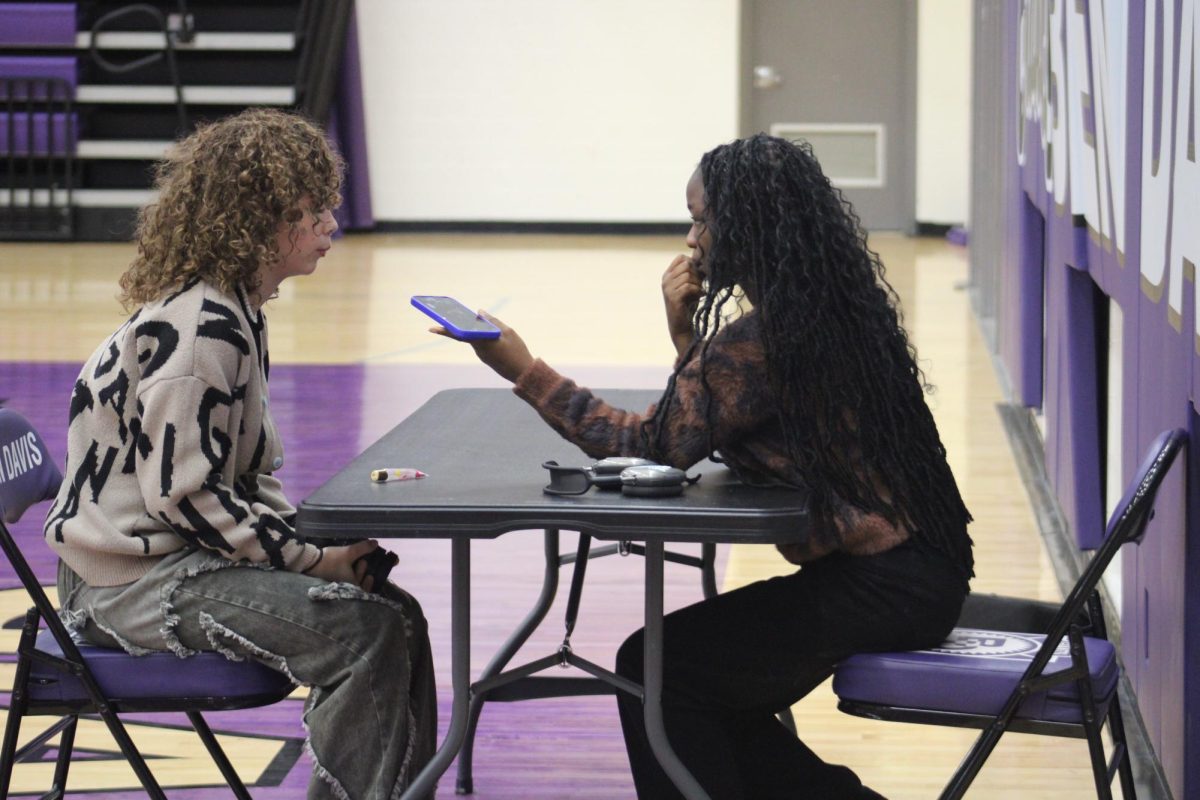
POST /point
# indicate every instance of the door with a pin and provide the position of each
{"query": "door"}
(843, 77)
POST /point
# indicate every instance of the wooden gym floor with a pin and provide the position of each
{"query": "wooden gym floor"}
(351, 358)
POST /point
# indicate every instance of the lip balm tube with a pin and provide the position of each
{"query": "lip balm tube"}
(396, 474)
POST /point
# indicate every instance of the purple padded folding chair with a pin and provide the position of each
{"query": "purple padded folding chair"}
(59, 676)
(1059, 682)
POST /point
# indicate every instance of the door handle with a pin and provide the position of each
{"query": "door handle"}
(766, 77)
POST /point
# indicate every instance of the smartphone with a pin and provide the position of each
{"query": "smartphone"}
(460, 321)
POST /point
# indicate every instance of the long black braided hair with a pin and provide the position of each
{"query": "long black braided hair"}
(850, 394)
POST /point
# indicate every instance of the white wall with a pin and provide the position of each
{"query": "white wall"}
(544, 110)
(595, 110)
(943, 110)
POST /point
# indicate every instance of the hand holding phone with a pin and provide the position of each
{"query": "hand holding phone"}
(458, 320)
(504, 351)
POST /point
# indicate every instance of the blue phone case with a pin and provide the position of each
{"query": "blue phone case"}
(460, 321)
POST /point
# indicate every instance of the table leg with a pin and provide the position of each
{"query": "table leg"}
(652, 679)
(464, 783)
(708, 569)
(460, 658)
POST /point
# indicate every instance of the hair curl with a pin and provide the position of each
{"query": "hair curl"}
(222, 194)
(850, 394)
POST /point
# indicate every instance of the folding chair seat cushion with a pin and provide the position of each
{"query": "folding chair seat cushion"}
(206, 678)
(974, 672)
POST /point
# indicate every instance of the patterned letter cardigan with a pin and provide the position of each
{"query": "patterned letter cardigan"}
(170, 443)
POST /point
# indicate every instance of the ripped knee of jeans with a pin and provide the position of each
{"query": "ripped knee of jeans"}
(84, 627)
(237, 647)
(348, 591)
(166, 602)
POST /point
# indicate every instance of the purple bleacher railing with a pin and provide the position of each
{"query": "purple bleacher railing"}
(57, 138)
(62, 68)
(37, 144)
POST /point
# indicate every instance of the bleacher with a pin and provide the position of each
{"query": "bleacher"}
(93, 92)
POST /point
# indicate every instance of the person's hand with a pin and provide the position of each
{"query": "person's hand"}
(507, 355)
(342, 563)
(376, 565)
(681, 289)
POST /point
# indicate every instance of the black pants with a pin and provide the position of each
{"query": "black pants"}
(731, 662)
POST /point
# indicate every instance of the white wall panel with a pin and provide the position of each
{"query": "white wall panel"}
(544, 110)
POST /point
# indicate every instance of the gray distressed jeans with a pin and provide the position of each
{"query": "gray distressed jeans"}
(371, 715)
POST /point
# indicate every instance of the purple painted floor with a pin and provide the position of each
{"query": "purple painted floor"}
(560, 748)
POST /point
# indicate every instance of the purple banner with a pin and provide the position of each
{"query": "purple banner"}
(1107, 133)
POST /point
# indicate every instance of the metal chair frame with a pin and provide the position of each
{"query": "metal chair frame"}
(73, 663)
(1128, 523)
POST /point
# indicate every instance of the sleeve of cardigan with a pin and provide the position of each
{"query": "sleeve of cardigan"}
(186, 430)
(269, 492)
(705, 409)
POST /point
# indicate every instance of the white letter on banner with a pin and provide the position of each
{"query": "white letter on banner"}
(1110, 67)
(1157, 150)
(1185, 209)
(1031, 79)
(1055, 129)
(1080, 96)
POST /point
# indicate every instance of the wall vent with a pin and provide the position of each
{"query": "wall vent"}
(850, 154)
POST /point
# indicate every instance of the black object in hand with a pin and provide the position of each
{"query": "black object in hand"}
(379, 564)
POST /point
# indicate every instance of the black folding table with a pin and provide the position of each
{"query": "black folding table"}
(483, 450)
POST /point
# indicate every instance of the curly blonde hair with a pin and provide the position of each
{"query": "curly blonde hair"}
(222, 194)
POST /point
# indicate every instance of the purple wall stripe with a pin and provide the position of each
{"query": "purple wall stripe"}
(1191, 644)
(347, 127)
(1027, 340)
